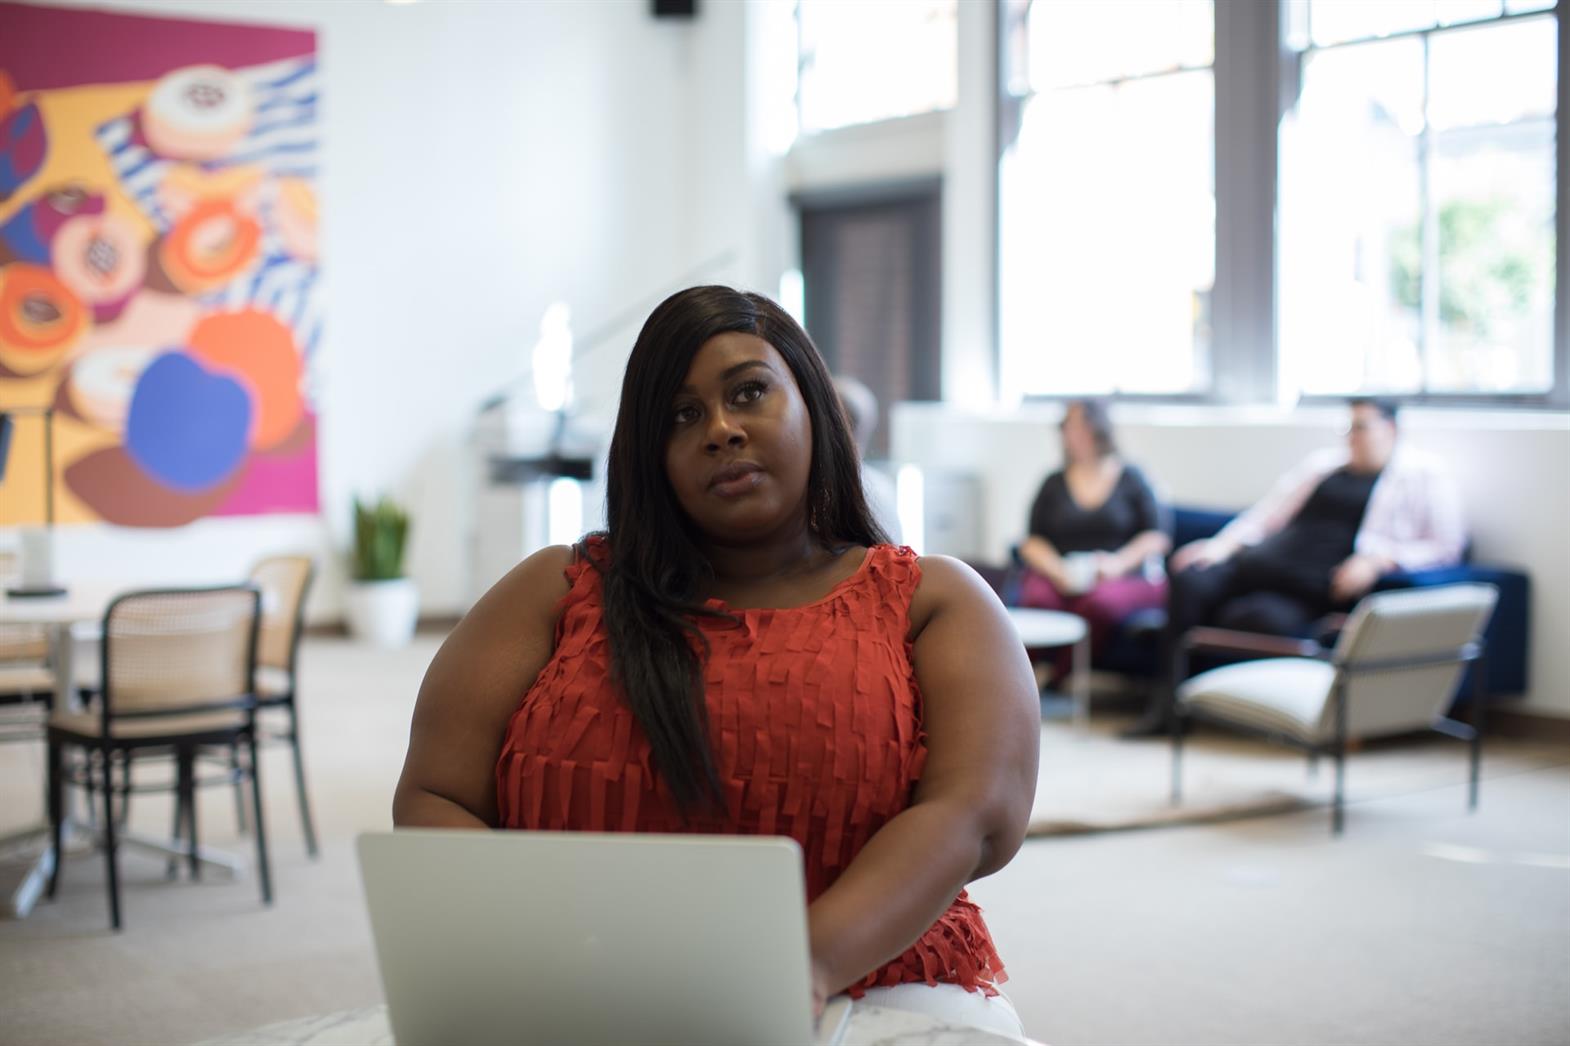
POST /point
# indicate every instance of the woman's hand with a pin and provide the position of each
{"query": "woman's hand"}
(1206, 552)
(821, 990)
(1356, 576)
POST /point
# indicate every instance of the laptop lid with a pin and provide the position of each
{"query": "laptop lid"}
(563, 937)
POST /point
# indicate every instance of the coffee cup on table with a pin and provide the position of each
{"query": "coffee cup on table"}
(37, 558)
(1080, 568)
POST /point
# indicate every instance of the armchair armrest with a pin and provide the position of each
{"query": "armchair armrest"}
(1231, 641)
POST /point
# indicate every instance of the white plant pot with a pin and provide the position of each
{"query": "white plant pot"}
(383, 612)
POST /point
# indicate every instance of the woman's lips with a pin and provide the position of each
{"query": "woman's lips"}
(735, 481)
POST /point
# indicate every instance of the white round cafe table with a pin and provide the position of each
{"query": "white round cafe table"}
(1052, 630)
(868, 1026)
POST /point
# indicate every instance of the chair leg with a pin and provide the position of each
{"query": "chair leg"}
(125, 789)
(90, 784)
(239, 786)
(185, 758)
(56, 812)
(264, 872)
(111, 843)
(176, 832)
(1175, 728)
(1479, 704)
(306, 824)
(1338, 804)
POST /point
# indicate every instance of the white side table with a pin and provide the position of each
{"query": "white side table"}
(1052, 630)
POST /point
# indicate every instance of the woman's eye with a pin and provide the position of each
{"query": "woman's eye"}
(685, 415)
(750, 391)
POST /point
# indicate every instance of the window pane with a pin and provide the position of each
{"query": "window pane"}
(1494, 193)
(1455, 12)
(1090, 41)
(1493, 74)
(1107, 200)
(1520, 7)
(1337, 21)
(915, 71)
(1351, 191)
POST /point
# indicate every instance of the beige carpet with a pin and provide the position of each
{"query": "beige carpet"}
(200, 960)
(1092, 781)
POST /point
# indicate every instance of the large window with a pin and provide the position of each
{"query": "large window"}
(1417, 206)
(1107, 197)
(867, 60)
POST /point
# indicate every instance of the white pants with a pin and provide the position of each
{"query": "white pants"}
(950, 1002)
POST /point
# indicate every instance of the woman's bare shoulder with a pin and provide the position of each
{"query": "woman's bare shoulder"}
(528, 594)
(947, 584)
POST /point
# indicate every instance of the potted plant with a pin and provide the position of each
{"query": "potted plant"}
(383, 604)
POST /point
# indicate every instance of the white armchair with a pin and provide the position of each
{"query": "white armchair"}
(1394, 669)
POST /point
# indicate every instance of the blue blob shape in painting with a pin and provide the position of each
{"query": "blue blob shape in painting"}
(20, 236)
(187, 427)
(23, 144)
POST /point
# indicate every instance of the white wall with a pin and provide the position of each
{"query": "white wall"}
(1513, 469)
(480, 161)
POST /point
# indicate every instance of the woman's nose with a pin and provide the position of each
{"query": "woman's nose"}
(724, 431)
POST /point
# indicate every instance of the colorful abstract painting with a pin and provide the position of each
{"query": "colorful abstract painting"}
(159, 279)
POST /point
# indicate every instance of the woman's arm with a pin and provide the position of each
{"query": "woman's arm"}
(473, 685)
(1132, 556)
(1041, 556)
(1037, 550)
(1152, 519)
(972, 804)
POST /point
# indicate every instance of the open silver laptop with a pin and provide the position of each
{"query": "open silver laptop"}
(566, 937)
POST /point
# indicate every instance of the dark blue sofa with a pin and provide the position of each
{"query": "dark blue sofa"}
(1135, 649)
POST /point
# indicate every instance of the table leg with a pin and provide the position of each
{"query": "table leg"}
(1081, 683)
(32, 885)
(63, 655)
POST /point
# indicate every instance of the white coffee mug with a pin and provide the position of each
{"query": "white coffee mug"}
(1081, 570)
(37, 547)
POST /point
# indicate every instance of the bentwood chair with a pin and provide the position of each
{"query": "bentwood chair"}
(284, 582)
(177, 672)
(1394, 669)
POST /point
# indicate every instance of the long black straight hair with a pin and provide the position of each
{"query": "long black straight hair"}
(656, 568)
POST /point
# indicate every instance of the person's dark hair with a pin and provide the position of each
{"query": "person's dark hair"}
(1098, 420)
(1387, 408)
(655, 567)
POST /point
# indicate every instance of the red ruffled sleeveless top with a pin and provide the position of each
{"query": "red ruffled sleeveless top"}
(815, 719)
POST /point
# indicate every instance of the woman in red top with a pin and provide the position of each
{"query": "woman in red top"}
(741, 651)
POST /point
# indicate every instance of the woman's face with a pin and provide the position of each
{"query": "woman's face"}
(1079, 443)
(740, 449)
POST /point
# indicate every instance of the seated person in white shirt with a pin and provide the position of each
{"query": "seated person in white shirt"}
(1318, 541)
(861, 410)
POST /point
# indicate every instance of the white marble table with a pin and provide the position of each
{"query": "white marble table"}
(1050, 630)
(868, 1026)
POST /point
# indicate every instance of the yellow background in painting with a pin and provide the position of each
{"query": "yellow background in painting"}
(70, 116)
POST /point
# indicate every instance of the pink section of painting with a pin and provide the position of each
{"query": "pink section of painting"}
(49, 47)
(276, 483)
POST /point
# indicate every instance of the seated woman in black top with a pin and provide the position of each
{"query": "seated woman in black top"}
(1093, 527)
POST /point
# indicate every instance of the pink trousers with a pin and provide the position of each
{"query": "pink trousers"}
(1104, 607)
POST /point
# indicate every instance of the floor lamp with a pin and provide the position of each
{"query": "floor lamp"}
(37, 581)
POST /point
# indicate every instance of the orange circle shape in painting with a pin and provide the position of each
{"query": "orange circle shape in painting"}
(39, 318)
(211, 245)
(259, 351)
